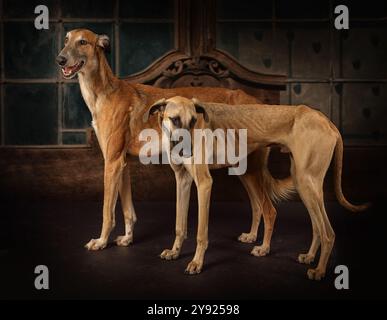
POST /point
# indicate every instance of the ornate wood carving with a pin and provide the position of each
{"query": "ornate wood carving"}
(213, 69)
(195, 72)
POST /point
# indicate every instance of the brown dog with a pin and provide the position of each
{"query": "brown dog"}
(309, 136)
(117, 108)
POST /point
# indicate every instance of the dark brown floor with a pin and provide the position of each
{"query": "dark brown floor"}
(53, 234)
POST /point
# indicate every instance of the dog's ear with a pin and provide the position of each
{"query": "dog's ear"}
(200, 108)
(156, 107)
(104, 42)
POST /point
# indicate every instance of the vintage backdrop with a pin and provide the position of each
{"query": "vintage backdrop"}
(281, 51)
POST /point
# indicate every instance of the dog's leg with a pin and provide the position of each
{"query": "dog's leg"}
(112, 176)
(260, 201)
(314, 204)
(183, 188)
(308, 171)
(256, 161)
(249, 182)
(263, 195)
(327, 242)
(269, 216)
(308, 258)
(203, 182)
(130, 218)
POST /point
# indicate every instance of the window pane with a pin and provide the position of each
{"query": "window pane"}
(311, 50)
(76, 115)
(364, 112)
(227, 38)
(25, 48)
(243, 9)
(143, 43)
(364, 51)
(31, 114)
(74, 138)
(88, 9)
(256, 45)
(360, 9)
(147, 9)
(302, 9)
(26, 8)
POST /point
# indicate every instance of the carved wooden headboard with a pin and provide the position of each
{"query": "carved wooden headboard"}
(212, 69)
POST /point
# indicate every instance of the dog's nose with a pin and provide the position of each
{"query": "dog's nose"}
(61, 60)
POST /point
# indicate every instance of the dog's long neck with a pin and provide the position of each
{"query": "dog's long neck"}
(97, 83)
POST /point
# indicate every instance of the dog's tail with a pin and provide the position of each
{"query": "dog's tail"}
(338, 167)
(280, 189)
(277, 189)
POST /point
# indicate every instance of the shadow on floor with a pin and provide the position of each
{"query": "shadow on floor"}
(53, 234)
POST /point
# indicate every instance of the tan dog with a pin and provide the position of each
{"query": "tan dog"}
(117, 108)
(309, 136)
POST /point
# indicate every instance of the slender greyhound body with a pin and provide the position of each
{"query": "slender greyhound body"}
(117, 108)
(308, 135)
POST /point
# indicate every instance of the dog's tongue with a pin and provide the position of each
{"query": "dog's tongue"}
(68, 69)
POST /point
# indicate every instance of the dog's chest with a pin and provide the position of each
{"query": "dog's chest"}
(89, 97)
(95, 127)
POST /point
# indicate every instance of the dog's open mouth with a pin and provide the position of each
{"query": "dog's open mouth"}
(69, 72)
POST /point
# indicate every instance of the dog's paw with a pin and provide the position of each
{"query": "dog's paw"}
(315, 274)
(305, 258)
(168, 254)
(194, 267)
(260, 251)
(124, 241)
(247, 237)
(95, 244)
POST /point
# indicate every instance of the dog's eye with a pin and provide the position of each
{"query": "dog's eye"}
(176, 121)
(192, 122)
(66, 40)
(82, 42)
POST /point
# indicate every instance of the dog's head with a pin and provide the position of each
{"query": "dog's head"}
(80, 52)
(177, 113)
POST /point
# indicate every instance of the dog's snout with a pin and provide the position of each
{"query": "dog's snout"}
(61, 60)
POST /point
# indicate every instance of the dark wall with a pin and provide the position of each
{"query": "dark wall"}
(343, 73)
